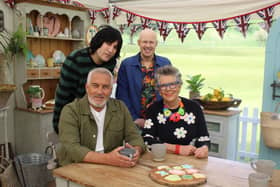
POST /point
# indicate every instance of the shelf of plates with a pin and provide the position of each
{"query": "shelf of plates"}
(52, 28)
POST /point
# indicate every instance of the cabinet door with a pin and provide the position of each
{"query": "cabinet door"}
(217, 147)
(215, 125)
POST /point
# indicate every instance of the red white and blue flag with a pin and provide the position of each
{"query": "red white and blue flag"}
(116, 12)
(122, 27)
(133, 29)
(130, 18)
(106, 14)
(10, 3)
(267, 15)
(200, 29)
(220, 27)
(243, 23)
(145, 23)
(181, 30)
(92, 15)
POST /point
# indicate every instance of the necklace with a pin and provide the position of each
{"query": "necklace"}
(175, 117)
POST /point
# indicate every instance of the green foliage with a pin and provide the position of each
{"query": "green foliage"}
(34, 92)
(195, 82)
(13, 44)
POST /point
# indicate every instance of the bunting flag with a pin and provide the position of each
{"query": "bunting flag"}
(10, 3)
(162, 27)
(122, 27)
(116, 12)
(130, 18)
(145, 23)
(220, 27)
(106, 14)
(267, 15)
(243, 23)
(166, 33)
(199, 29)
(181, 30)
(92, 15)
(133, 29)
(78, 4)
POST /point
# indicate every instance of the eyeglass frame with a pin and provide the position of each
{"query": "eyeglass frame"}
(171, 85)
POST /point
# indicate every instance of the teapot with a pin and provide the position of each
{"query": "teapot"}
(37, 95)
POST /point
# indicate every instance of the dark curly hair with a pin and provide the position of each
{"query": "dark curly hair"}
(106, 34)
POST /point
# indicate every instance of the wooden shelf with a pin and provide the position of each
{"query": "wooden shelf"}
(55, 38)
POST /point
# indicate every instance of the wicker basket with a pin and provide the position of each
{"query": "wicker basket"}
(270, 128)
(219, 105)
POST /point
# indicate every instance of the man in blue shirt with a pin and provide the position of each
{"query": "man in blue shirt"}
(135, 84)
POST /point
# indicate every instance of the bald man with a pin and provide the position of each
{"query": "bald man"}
(135, 83)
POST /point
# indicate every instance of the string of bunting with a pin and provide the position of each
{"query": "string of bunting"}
(165, 27)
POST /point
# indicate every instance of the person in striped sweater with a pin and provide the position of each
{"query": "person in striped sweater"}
(103, 51)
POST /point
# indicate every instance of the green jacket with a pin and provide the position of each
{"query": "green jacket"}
(78, 130)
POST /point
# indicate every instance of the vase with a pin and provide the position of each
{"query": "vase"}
(194, 95)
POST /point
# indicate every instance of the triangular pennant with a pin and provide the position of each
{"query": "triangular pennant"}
(166, 33)
(130, 18)
(133, 29)
(10, 3)
(116, 12)
(78, 4)
(243, 23)
(267, 15)
(92, 15)
(200, 29)
(106, 14)
(145, 23)
(122, 27)
(162, 26)
(181, 30)
(220, 27)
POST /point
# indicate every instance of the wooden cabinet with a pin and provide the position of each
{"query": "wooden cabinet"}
(67, 20)
(223, 127)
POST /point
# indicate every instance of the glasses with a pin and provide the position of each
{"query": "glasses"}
(171, 85)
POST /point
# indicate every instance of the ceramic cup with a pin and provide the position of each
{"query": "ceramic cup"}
(158, 151)
(50, 62)
(263, 166)
(258, 180)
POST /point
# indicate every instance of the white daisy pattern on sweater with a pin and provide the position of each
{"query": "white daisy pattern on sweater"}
(189, 118)
(180, 132)
(161, 119)
(148, 124)
(203, 138)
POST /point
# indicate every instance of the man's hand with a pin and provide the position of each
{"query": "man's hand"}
(116, 159)
(201, 152)
(137, 153)
(140, 122)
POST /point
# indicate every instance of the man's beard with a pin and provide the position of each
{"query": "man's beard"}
(92, 102)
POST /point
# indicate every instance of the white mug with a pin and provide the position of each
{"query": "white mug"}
(158, 151)
(263, 166)
(258, 180)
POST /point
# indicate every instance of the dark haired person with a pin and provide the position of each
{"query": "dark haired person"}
(103, 51)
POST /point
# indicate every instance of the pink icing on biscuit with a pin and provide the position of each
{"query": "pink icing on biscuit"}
(191, 171)
(177, 172)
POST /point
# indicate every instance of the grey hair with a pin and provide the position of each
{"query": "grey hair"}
(168, 70)
(100, 70)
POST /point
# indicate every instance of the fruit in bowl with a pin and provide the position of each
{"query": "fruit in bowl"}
(218, 101)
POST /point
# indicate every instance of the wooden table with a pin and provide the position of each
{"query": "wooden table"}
(220, 172)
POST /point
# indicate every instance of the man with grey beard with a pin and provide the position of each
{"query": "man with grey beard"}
(93, 128)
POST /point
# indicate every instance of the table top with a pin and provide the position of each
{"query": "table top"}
(219, 172)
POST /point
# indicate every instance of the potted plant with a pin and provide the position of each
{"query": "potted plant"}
(195, 84)
(11, 45)
(36, 96)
